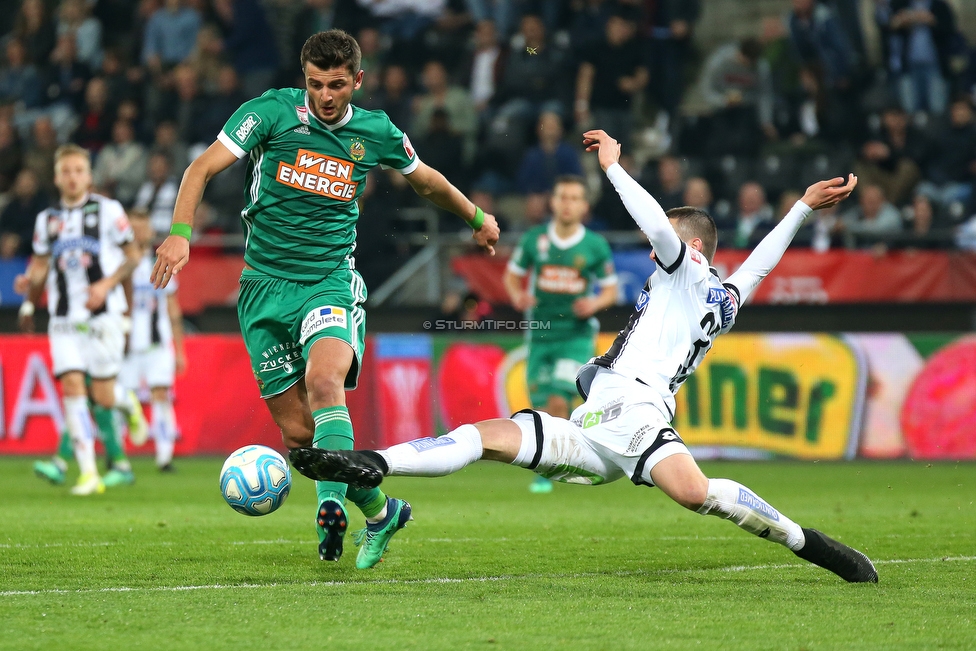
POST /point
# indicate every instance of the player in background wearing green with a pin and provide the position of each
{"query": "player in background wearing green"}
(300, 303)
(562, 259)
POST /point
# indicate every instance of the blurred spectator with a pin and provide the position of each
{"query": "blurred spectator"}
(67, 76)
(754, 218)
(667, 184)
(369, 46)
(819, 40)
(453, 99)
(11, 155)
(120, 167)
(550, 158)
(589, 18)
(871, 220)
(922, 217)
(95, 128)
(207, 58)
(889, 159)
(778, 53)
(965, 235)
(484, 64)
(318, 16)
(394, 97)
(443, 148)
(498, 12)
(920, 33)
(221, 105)
(533, 80)
(737, 87)
(187, 107)
(123, 83)
(74, 18)
(611, 75)
(157, 195)
(19, 216)
(118, 24)
(39, 155)
(168, 143)
(698, 193)
(669, 24)
(170, 35)
(19, 80)
(812, 115)
(953, 170)
(35, 29)
(249, 43)
(404, 20)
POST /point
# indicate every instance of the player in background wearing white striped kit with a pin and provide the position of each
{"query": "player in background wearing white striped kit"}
(156, 351)
(84, 250)
(623, 429)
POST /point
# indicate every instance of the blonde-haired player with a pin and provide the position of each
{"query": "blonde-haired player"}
(156, 351)
(83, 249)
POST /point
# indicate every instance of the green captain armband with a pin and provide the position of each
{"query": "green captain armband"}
(479, 219)
(183, 230)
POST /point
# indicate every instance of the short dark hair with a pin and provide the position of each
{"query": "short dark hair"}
(569, 178)
(332, 49)
(751, 48)
(694, 222)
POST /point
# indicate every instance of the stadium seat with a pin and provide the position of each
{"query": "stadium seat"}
(777, 173)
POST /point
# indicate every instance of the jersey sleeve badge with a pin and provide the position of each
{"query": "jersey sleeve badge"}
(408, 147)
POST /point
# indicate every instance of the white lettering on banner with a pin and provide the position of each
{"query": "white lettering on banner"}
(405, 383)
(36, 376)
(798, 289)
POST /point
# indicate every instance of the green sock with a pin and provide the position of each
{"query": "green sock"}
(333, 431)
(66, 451)
(105, 419)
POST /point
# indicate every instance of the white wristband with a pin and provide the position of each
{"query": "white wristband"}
(26, 309)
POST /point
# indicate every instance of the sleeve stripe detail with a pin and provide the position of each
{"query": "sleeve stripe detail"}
(515, 269)
(411, 167)
(670, 269)
(231, 146)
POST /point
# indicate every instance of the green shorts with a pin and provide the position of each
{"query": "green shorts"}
(551, 367)
(281, 319)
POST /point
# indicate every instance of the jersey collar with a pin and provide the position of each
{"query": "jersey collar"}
(83, 203)
(570, 241)
(331, 127)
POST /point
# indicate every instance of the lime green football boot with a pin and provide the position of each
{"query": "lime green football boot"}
(376, 536)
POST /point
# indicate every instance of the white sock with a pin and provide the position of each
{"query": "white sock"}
(122, 399)
(733, 501)
(163, 431)
(82, 431)
(434, 457)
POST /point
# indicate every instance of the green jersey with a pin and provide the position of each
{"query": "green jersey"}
(303, 178)
(560, 272)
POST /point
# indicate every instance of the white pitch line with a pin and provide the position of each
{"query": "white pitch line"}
(474, 579)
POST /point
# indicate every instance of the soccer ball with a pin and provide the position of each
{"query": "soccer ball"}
(255, 480)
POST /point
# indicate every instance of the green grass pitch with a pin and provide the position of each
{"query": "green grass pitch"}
(165, 564)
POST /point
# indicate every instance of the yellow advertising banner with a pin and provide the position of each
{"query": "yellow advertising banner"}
(797, 395)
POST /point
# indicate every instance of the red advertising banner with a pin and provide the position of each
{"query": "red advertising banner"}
(804, 276)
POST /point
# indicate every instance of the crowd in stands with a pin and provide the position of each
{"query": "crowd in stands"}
(495, 93)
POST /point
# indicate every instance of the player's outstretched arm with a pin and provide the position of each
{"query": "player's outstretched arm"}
(173, 254)
(769, 252)
(431, 185)
(645, 210)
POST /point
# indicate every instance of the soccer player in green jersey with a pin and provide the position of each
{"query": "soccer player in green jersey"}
(300, 303)
(563, 260)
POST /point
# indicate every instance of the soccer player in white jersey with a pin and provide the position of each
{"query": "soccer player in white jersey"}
(156, 353)
(622, 430)
(84, 249)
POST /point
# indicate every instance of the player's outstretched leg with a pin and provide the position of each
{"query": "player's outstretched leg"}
(427, 457)
(680, 478)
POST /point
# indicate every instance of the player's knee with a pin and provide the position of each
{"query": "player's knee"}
(690, 494)
(296, 436)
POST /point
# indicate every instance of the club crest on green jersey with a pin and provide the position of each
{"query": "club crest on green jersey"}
(246, 127)
(357, 150)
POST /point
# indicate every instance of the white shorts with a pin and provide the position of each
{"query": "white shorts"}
(95, 346)
(155, 367)
(606, 438)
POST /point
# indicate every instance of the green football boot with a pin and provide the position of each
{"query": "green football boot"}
(50, 471)
(116, 477)
(376, 536)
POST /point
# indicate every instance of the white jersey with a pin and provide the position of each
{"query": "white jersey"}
(150, 310)
(85, 245)
(679, 313)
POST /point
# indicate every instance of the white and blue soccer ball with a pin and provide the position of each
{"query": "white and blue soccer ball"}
(255, 480)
